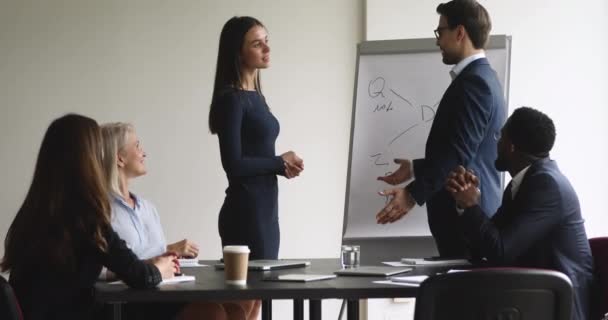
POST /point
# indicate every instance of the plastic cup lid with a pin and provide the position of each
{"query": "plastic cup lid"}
(237, 249)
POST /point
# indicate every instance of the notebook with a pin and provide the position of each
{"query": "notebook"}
(372, 271)
(178, 279)
(293, 277)
(272, 264)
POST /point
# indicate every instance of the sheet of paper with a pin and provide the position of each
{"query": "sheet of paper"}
(301, 277)
(409, 279)
(178, 279)
(405, 284)
(188, 263)
(457, 270)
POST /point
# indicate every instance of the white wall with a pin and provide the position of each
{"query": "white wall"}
(152, 63)
(558, 65)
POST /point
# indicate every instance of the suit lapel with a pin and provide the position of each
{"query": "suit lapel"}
(502, 214)
(471, 66)
(509, 205)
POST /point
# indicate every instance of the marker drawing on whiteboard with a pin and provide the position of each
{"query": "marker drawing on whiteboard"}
(402, 133)
(402, 98)
(428, 112)
(377, 162)
(376, 87)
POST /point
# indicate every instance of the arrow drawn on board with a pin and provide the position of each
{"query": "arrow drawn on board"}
(402, 133)
(402, 98)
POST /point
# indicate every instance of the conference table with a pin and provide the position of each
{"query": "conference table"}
(209, 286)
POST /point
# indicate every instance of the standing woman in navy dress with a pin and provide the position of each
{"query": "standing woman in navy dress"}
(247, 132)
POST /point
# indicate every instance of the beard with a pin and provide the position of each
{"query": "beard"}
(501, 164)
(447, 60)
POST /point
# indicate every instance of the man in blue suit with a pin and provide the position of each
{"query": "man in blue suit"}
(464, 132)
(539, 223)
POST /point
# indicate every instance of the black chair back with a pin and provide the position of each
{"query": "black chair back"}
(9, 307)
(599, 250)
(495, 294)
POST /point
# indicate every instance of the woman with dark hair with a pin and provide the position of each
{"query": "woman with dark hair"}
(61, 236)
(247, 132)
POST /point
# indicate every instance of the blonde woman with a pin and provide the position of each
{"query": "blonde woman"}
(136, 220)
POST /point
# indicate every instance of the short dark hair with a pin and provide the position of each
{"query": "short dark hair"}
(531, 131)
(472, 16)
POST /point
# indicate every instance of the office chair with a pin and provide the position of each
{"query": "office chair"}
(495, 294)
(599, 250)
(9, 307)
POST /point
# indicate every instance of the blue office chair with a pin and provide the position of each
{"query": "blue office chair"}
(495, 294)
(9, 307)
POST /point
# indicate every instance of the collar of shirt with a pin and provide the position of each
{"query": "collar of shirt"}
(118, 198)
(139, 227)
(516, 181)
(464, 63)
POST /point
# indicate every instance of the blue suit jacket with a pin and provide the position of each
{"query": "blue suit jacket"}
(541, 227)
(465, 132)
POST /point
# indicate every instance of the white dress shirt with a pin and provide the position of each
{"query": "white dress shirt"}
(464, 63)
(139, 226)
(516, 181)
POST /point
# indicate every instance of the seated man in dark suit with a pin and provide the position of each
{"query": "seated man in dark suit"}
(539, 223)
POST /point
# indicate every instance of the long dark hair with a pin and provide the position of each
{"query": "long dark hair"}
(67, 205)
(228, 69)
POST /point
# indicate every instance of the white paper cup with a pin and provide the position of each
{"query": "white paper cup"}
(236, 259)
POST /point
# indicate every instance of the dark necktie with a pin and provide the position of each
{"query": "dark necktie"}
(502, 213)
(507, 197)
(508, 190)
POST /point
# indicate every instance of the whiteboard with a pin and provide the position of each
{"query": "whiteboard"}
(398, 86)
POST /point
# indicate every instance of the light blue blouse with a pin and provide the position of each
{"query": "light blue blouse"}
(140, 226)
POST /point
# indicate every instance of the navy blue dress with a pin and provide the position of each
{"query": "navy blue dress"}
(247, 133)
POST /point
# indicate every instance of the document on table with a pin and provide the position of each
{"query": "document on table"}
(177, 279)
(187, 263)
(404, 284)
(408, 281)
(457, 270)
(297, 277)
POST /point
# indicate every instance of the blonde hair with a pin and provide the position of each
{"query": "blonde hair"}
(114, 140)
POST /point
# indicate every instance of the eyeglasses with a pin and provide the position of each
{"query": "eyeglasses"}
(439, 30)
